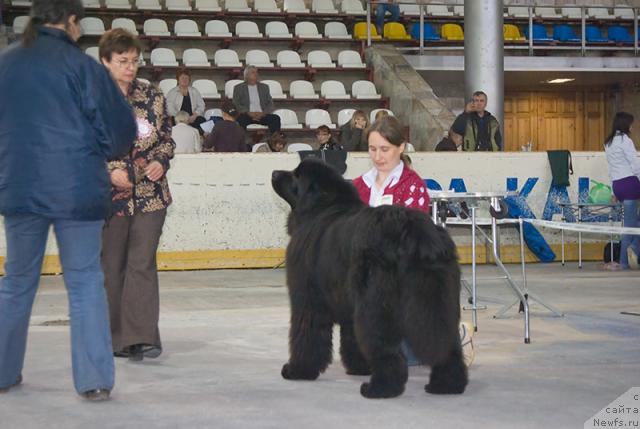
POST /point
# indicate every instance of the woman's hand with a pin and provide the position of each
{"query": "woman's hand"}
(154, 171)
(120, 179)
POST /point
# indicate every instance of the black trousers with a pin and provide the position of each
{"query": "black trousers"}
(270, 120)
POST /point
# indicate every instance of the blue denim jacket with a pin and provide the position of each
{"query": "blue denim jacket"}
(62, 117)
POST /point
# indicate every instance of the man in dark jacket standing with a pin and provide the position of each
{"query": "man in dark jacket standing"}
(61, 118)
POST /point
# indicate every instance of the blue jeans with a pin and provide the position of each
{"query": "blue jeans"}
(630, 220)
(381, 9)
(79, 244)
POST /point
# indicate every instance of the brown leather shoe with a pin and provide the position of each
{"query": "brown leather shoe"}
(7, 388)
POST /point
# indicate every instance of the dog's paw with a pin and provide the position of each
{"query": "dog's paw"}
(358, 371)
(289, 372)
(372, 391)
(444, 389)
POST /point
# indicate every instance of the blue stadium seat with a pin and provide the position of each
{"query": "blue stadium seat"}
(619, 34)
(430, 33)
(564, 33)
(539, 33)
(594, 35)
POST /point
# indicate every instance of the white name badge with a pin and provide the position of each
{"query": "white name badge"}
(386, 200)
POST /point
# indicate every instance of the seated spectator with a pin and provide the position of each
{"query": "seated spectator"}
(276, 143)
(325, 139)
(380, 114)
(352, 133)
(477, 130)
(187, 138)
(382, 8)
(254, 103)
(186, 98)
(227, 135)
(446, 144)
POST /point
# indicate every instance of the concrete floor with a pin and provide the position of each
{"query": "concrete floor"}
(225, 339)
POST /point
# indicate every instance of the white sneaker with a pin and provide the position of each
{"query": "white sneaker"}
(466, 340)
(632, 256)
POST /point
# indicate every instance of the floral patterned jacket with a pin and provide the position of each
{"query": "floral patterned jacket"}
(153, 143)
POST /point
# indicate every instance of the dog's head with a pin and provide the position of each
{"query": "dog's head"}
(314, 185)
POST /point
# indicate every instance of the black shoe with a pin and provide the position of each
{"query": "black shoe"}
(151, 351)
(136, 352)
(6, 389)
(122, 353)
(96, 395)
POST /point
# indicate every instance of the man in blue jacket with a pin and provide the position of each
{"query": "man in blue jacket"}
(61, 118)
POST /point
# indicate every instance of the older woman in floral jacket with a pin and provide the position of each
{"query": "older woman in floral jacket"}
(140, 197)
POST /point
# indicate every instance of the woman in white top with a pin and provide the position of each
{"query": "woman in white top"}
(186, 138)
(624, 172)
(186, 98)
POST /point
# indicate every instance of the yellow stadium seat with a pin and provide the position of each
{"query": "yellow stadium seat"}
(360, 31)
(452, 32)
(512, 33)
(395, 31)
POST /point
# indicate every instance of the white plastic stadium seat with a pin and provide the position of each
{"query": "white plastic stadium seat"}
(298, 147)
(93, 52)
(212, 112)
(217, 28)
(275, 89)
(277, 30)
(571, 12)
(410, 9)
(518, 11)
(352, 7)
(148, 5)
(323, 6)
(143, 80)
(623, 12)
(288, 119)
(374, 112)
(320, 59)
(266, 6)
(438, 10)
(126, 24)
(186, 28)
(194, 57)
(336, 30)
(302, 89)
(156, 27)
(178, 5)
(295, 6)
(92, 26)
(458, 10)
(599, 13)
(19, 23)
(117, 4)
(289, 59)
(237, 6)
(228, 87)
(546, 12)
(167, 85)
(208, 6)
(247, 29)
(257, 58)
(307, 30)
(91, 4)
(316, 117)
(257, 146)
(364, 90)
(333, 90)
(409, 147)
(163, 57)
(21, 3)
(345, 116)
(226, 58)
(207, 88)
(350, 59)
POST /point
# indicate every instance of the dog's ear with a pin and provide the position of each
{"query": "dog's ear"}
(286, 186)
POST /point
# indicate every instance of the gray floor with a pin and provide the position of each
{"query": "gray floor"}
(225, 338)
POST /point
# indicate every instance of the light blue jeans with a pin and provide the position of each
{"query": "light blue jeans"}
(381, 10)
(79, 244)
(630, 208)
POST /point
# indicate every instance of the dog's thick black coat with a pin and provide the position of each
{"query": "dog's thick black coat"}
(383, 274)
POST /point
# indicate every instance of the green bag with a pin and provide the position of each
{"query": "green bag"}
(600, 193)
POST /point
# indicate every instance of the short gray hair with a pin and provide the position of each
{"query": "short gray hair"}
(248, 69)
(182, 117)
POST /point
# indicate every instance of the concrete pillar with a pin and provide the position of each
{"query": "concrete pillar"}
(484, 53)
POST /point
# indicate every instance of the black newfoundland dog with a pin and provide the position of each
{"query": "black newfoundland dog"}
(383, 274)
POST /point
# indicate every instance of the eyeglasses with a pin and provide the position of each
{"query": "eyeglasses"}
(124, 63)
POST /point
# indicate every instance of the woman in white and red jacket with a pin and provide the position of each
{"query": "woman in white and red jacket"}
(391, 181)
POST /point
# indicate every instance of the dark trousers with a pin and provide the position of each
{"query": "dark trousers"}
(129, 245)
(270, 120)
